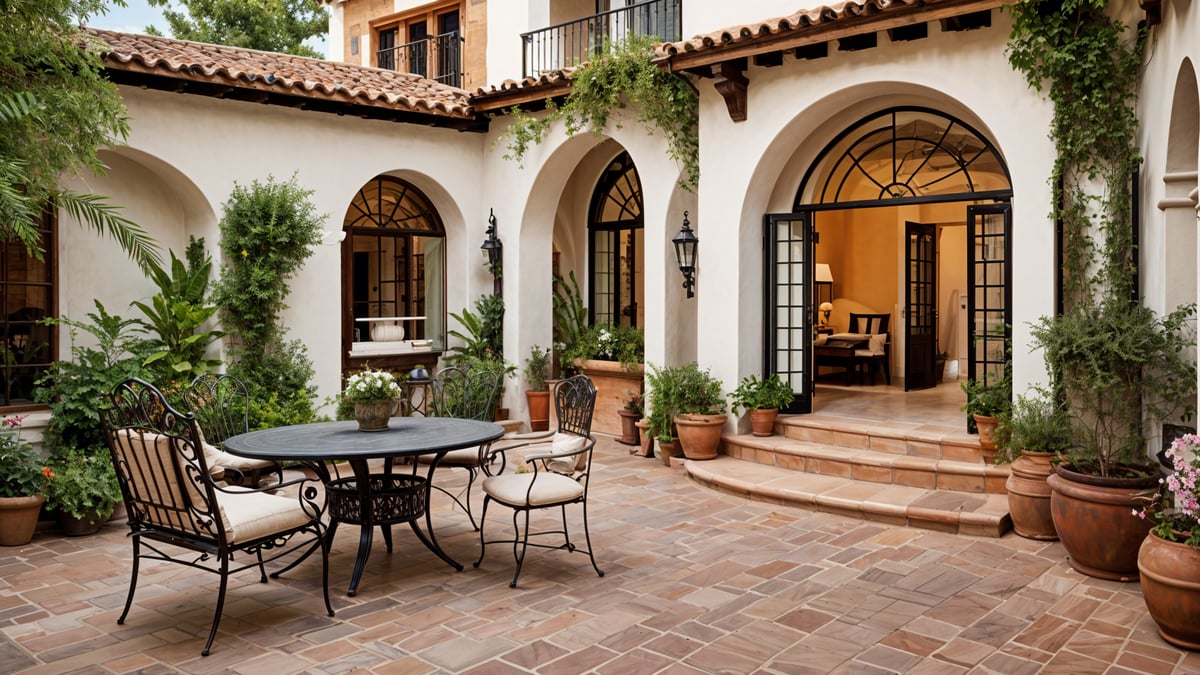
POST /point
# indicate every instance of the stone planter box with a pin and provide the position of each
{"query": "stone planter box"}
(613, 386)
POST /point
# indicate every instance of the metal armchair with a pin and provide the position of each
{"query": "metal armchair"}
(173, 502)
(222, 409)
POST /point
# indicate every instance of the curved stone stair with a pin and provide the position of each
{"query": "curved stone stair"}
(902, 474)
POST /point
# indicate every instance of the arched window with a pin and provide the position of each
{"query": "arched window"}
(393, 261)
(615, 222)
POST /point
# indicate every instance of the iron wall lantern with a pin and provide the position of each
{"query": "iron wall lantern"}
(685, 254)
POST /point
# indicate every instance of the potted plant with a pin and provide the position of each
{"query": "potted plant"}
(84, 490)
(1033, 433)
(763, 399)
(374, 395)
(987, 402)
(1169, 557)
(687, 403)
(630, 413)
(537, 396)
(23, 480)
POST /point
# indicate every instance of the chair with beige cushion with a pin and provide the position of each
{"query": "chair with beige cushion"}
(222, 409)
(173, 502)
(878, 351)
(465, 395)
(553, 473)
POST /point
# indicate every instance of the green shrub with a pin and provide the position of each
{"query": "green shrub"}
(677, 390)
(755, 394)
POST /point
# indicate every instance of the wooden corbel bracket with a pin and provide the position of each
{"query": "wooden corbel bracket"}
(730, 82)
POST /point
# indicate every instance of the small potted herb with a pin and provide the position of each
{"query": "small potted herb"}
(762, 398)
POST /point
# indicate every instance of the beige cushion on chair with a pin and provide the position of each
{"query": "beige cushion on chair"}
(250, 515)
(550, 488)
(218, 460)
(564, 443)
(875, 346)
(463, 457)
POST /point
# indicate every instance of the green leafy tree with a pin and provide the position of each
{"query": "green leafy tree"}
(268, 231)
(269, 25)
(56, 111)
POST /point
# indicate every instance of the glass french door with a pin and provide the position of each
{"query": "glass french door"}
(789, 312)
(920, 328)
(989, 290)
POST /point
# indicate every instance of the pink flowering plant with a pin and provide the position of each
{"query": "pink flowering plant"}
(1175, 506)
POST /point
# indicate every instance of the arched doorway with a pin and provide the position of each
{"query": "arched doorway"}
(393, 277)
(875, 207)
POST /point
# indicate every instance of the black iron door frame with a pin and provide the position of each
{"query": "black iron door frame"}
(788, 304)
(920, 306)
(989, 290)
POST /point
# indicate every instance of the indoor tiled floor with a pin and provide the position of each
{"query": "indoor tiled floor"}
(696, 582)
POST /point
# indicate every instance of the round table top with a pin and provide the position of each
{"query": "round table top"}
(343, 440)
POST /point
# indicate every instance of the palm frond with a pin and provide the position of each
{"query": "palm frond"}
(103, 217)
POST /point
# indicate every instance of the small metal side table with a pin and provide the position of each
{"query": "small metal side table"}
(417, 399)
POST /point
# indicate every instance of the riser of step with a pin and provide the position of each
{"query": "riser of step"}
(915, 440)
(868, 465)
(976, 514)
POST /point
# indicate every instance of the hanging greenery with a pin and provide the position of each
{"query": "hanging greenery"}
(623, 74)
(1114, 361)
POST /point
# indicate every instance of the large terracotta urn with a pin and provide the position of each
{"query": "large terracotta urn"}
(1093, 516)
(699, 435)
(1170, 578)
(1029, 495)
(19, 519)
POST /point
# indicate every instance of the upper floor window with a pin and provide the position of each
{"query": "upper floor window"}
(27, 296)
(425, 42)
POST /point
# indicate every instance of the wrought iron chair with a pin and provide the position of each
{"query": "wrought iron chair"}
(173, 501)
(879, 347)
(559, 470)
(222, 409)
(465, 395)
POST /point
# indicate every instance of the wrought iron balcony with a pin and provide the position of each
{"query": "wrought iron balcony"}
(438, 57)
(573, 42)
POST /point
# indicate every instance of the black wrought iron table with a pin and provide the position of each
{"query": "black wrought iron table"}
(366, 499)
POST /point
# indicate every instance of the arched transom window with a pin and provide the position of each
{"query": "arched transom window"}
(616, 225)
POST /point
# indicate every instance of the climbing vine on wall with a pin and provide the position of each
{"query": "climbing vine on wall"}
(623, 74)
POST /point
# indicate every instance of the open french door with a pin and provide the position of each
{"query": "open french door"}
(788, 304)
(920, 306)
(989, 290)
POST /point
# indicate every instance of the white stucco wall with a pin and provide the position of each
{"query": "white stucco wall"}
(185, 154)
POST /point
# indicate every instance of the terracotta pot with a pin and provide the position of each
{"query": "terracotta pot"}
(986, 426)
(539, 410)
(1170, 580)
(647, 447)
(500, 415)
(699, 435)
(19, 519)
(1029, 495)
(1094, 520)
(762, 421)
(373, 415)
(629, 428)
(667, 450)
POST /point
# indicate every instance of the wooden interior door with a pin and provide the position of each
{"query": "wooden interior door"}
(920, 306)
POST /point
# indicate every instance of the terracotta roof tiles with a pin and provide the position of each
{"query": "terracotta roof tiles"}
(281, 73)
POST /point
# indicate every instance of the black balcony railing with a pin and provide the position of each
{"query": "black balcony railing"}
(438, 58)
(573, 42)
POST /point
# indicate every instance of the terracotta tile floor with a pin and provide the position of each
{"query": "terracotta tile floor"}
(696, 582)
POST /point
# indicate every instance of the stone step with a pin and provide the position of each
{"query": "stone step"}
(893, 437)
(979, 514)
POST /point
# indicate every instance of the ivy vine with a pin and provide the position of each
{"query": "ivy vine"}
(623, 74)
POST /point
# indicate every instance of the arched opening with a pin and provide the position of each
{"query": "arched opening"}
(906, 214)
(393, 277)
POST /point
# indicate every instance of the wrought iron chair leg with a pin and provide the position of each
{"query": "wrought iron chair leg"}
(137, 558)
(523, 541)
(326, 543)
(587, 538)
(262, 569)
(212, 634)
(482, 518)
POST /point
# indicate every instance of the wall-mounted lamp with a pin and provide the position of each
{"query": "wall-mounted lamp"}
(685, 254)
(493, 250)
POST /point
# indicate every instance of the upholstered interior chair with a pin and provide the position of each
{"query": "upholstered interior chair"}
(222, 409)
(878, 351)
(174, 503)
(465, 395)
(552, 474)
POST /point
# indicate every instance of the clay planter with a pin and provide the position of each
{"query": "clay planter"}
(1029, 495)
(762, 421)
(19, 519)
(373, 415)
(1170, 577)
(629, 428)
(699, 435)
(71, 526)
(539, 410)
(647, 446)
(668, 450)
(987, 437)
(613, 385)
(1094, 520)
